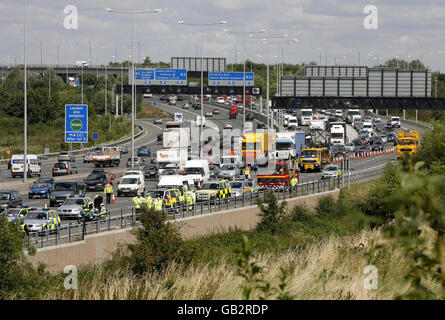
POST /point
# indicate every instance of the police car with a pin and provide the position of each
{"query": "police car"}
(72, 207)
(211, 190)
(40, 220)
(12, 214)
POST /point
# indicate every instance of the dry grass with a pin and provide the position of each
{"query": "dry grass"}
(149, 111)
(328, 269)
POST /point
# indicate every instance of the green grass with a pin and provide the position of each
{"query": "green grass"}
(149, 111)
(41, 136)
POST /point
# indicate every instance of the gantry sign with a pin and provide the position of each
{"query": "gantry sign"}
(343, 87)
(172, 89)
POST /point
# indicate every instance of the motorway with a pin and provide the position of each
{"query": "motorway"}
(149, 139)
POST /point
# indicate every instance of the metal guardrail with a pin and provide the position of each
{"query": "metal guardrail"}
(47, 156)
(76, 231)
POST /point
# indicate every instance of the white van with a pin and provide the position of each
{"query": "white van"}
(198, 121)
(131, 185)
(198, 170)
(17, 165)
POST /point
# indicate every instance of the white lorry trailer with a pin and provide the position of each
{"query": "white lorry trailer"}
(338, 133)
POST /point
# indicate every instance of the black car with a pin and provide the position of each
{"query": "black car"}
(377, 145)
(65, 189)
(388, 128)
(10, 198)
(164, 97)
(97, 181)
(261, 126)
(391, 137)
(179, 98)
(151, 171)
(249, 116)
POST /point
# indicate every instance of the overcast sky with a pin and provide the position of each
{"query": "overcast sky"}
(405, 28)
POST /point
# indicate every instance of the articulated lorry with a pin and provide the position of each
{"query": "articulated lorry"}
(289, 144)
(407, 142)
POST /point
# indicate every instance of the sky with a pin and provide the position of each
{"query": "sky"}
(331, 30)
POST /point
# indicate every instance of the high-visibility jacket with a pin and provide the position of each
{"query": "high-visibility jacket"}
(189, 196)
(149, 201)
(108, 188)
(158, 205)
(137, 202)
(246, 171)
(294, 182)
(103, 212)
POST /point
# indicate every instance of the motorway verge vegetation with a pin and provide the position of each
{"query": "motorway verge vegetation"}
(148, 111)
(47, 96)
(380, 240)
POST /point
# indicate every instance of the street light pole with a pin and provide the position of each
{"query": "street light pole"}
(25, 115)
(201, 25)
(132, 13)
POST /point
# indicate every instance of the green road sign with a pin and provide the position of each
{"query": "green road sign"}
(76, 124)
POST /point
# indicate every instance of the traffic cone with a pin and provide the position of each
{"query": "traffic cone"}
(46, 204)
(113, 200)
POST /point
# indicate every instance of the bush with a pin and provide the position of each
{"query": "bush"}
(300, 213)
(272, 213)
(327, 207)
(158, 244)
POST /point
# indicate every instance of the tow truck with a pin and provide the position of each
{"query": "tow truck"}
(407, 142)
(313, 159)
(280, 179)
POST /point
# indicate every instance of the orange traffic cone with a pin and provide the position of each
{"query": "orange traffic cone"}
(113, 200)
(46, 203)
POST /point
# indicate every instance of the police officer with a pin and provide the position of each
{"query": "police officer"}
(158, 204)
(247, 172)
(103, 211)
(149, 201)
(108, 190)
(21, 224)
(137, 201)
(189, 197)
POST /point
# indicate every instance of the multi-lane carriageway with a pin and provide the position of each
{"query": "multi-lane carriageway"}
(149, 138)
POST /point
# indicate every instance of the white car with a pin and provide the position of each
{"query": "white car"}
(220, 100)
(131, 185)
(395, 122)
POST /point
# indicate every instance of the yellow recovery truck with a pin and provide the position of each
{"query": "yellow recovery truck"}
(313, 159)
(407, 142)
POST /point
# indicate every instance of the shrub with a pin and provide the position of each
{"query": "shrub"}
(327, 206)
(158, 244)
(272, 213)
(300, 213)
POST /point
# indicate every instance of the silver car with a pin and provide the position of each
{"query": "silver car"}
(350, 147)
(330, 171)
(228, 171)
(35, 220)
(72, 207)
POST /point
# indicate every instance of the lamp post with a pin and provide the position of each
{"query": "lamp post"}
(249, 34)
(201, 25)
(25, 115)
(132, 13)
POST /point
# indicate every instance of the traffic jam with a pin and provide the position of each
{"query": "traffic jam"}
(176, 174)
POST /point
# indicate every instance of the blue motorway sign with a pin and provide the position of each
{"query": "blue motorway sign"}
(230, 76)
(144, 74)
(155, 103)
(95, 136)
(171, 74)
(76, 123)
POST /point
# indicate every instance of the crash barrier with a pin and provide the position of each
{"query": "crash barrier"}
(76, 231)
(47, 156)
(363, 155)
